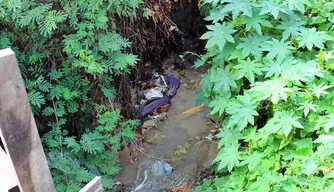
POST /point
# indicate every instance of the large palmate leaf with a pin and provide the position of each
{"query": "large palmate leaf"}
(219, 104)
(290, 27)
(311, 37)
(256, 21)
(307, 106)
(229, 136)
(228, 157)
(252, 44)
(218, 35)
(319, 90)
(284, 121)
(223, 80)
(215, 16)
(275, 68)
(237, 6)
(242, 111)
(272, 7)
(297, 4)
(248, 69)
(277, 49)
(272, 88)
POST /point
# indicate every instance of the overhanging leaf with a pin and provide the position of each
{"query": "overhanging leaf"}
(218, 35)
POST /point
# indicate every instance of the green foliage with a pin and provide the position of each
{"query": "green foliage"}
(69, 52)
(273, 84)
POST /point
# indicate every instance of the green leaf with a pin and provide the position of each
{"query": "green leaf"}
(272, 7)
(310, 37)
(228, 157)
(272, 88)
(229, 136)
(218, 35)
(277, 49)
(242, 111)
(275, 68)
(215, 16)
(310, 166)
(284, 121)
(325, 139)
(248, 69)
(256, 21)
(252, 160)
(252, 44)
(291, 28)
(307, 106)
(319, 90)
(219, 104)
(297, 4)
(237, 6)
(329, 122)
(36, 98)
(329, 175)
(223, 80)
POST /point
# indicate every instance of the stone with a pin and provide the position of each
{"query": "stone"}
(215, 118)
(154, 137)
(149, 124)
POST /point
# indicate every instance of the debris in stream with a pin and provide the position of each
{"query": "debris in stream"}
(192, 111)
(209, 137)
(153, 104)
(182, 189)
(159, 95)
(161, 168)
(142, 185)
(174, 84)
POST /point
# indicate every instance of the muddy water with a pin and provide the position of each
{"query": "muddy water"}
(178, 140)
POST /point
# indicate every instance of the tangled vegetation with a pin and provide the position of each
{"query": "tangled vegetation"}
(271, 78)
(69, 53)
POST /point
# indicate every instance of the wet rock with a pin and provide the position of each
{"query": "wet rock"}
(206, 154)
(181, 150)
(149, 124)
(192, 82)
(154, 137)
(162, 117)
(191, 169)
(215, 118)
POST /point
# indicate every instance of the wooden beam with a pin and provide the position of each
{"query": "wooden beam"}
(18, 130)
(94, 185)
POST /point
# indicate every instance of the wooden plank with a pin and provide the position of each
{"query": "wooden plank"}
(18, 130)
(94, 185)
(7, 172)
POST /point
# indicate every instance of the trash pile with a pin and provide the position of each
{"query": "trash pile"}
(156, 95)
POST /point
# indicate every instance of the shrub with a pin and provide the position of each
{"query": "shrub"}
(69, 52)
(271, 78)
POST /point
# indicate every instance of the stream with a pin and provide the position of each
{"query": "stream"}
(179, 140)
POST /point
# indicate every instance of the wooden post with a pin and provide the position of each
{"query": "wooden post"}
(18, 130)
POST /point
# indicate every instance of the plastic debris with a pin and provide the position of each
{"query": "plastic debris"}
(154, 93)
(174, 84)
(153, 104)
(161, 168)
(209, 137)
(160, 95)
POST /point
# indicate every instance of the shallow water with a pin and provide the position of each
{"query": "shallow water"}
(171, 137)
